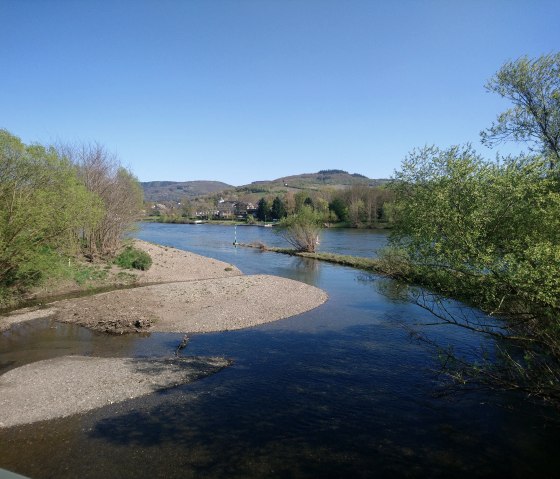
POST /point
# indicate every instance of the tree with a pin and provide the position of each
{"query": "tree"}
(263, 210)
(488, 233)
(300, 197)
(187, 208)
(290, 203)
(120, 191)
(355, 211)
(43, 206)
(321, 206)
(533, 86)
(278, 210)
(339, 208)
(302, 229)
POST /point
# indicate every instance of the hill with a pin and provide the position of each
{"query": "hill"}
(174, 190)
(337, 179)
(162, 191)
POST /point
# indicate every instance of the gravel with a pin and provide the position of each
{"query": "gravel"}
(194, 295)
(69, 385)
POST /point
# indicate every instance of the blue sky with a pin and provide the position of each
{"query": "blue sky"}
(247, 90)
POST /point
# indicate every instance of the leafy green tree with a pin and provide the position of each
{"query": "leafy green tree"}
(338, 206)
(43, 206)
(533, 86)
(278, 210)
(302, 229)
(263, 210)
(488, 233)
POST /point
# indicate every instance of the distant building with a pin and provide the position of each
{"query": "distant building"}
(242, 209)
(226, 210)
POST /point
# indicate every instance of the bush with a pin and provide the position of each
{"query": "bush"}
(302, 229)
(132, 258)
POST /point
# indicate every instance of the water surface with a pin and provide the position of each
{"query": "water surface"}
(340, 391)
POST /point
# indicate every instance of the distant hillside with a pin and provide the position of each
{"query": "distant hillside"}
(175, 190)
(161, 191)
(313, 181)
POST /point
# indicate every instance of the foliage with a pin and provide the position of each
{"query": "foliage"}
(300, 199)
(278, 209)
(394, 262)
(333, 172)
(495, 223)
(355, 211)
(489, 233)
(83, 273)
(119, 191)
(187, 208)
(133, 258)
(339, 208)
(357, 206)
(302, 229)
(43, 205)
(263, 210)
(533, 86)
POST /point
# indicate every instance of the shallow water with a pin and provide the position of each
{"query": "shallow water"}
(340, 391)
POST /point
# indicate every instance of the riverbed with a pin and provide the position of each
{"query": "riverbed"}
(339, 391)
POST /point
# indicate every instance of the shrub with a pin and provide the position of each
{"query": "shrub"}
(302, 229)
(132, 258)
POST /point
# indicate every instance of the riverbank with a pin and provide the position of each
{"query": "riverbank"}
(193, 294)
(182, 292)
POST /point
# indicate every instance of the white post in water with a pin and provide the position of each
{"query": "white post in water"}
(235, 235)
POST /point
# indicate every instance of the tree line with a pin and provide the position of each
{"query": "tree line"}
(357, 206)
(59, 202)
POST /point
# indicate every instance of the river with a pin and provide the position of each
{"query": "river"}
(340, 391)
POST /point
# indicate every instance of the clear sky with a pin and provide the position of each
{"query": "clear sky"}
(245, 90)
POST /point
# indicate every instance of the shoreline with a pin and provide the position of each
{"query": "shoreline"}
(181, 292)
(191, 294)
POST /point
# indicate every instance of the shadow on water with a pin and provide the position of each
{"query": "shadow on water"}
(345, 412)
(339, 403)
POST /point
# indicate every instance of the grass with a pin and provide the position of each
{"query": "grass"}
(58, 274)
(84, 273)
(67, 275)
(367, 264)
(390, 263)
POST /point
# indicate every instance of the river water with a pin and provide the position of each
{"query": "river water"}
(340, 391)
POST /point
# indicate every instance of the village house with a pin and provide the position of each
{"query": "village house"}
(226, 210)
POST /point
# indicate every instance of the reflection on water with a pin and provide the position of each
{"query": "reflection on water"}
(339, 391)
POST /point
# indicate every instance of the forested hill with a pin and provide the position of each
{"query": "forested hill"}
(174, 190)
(334, 178)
